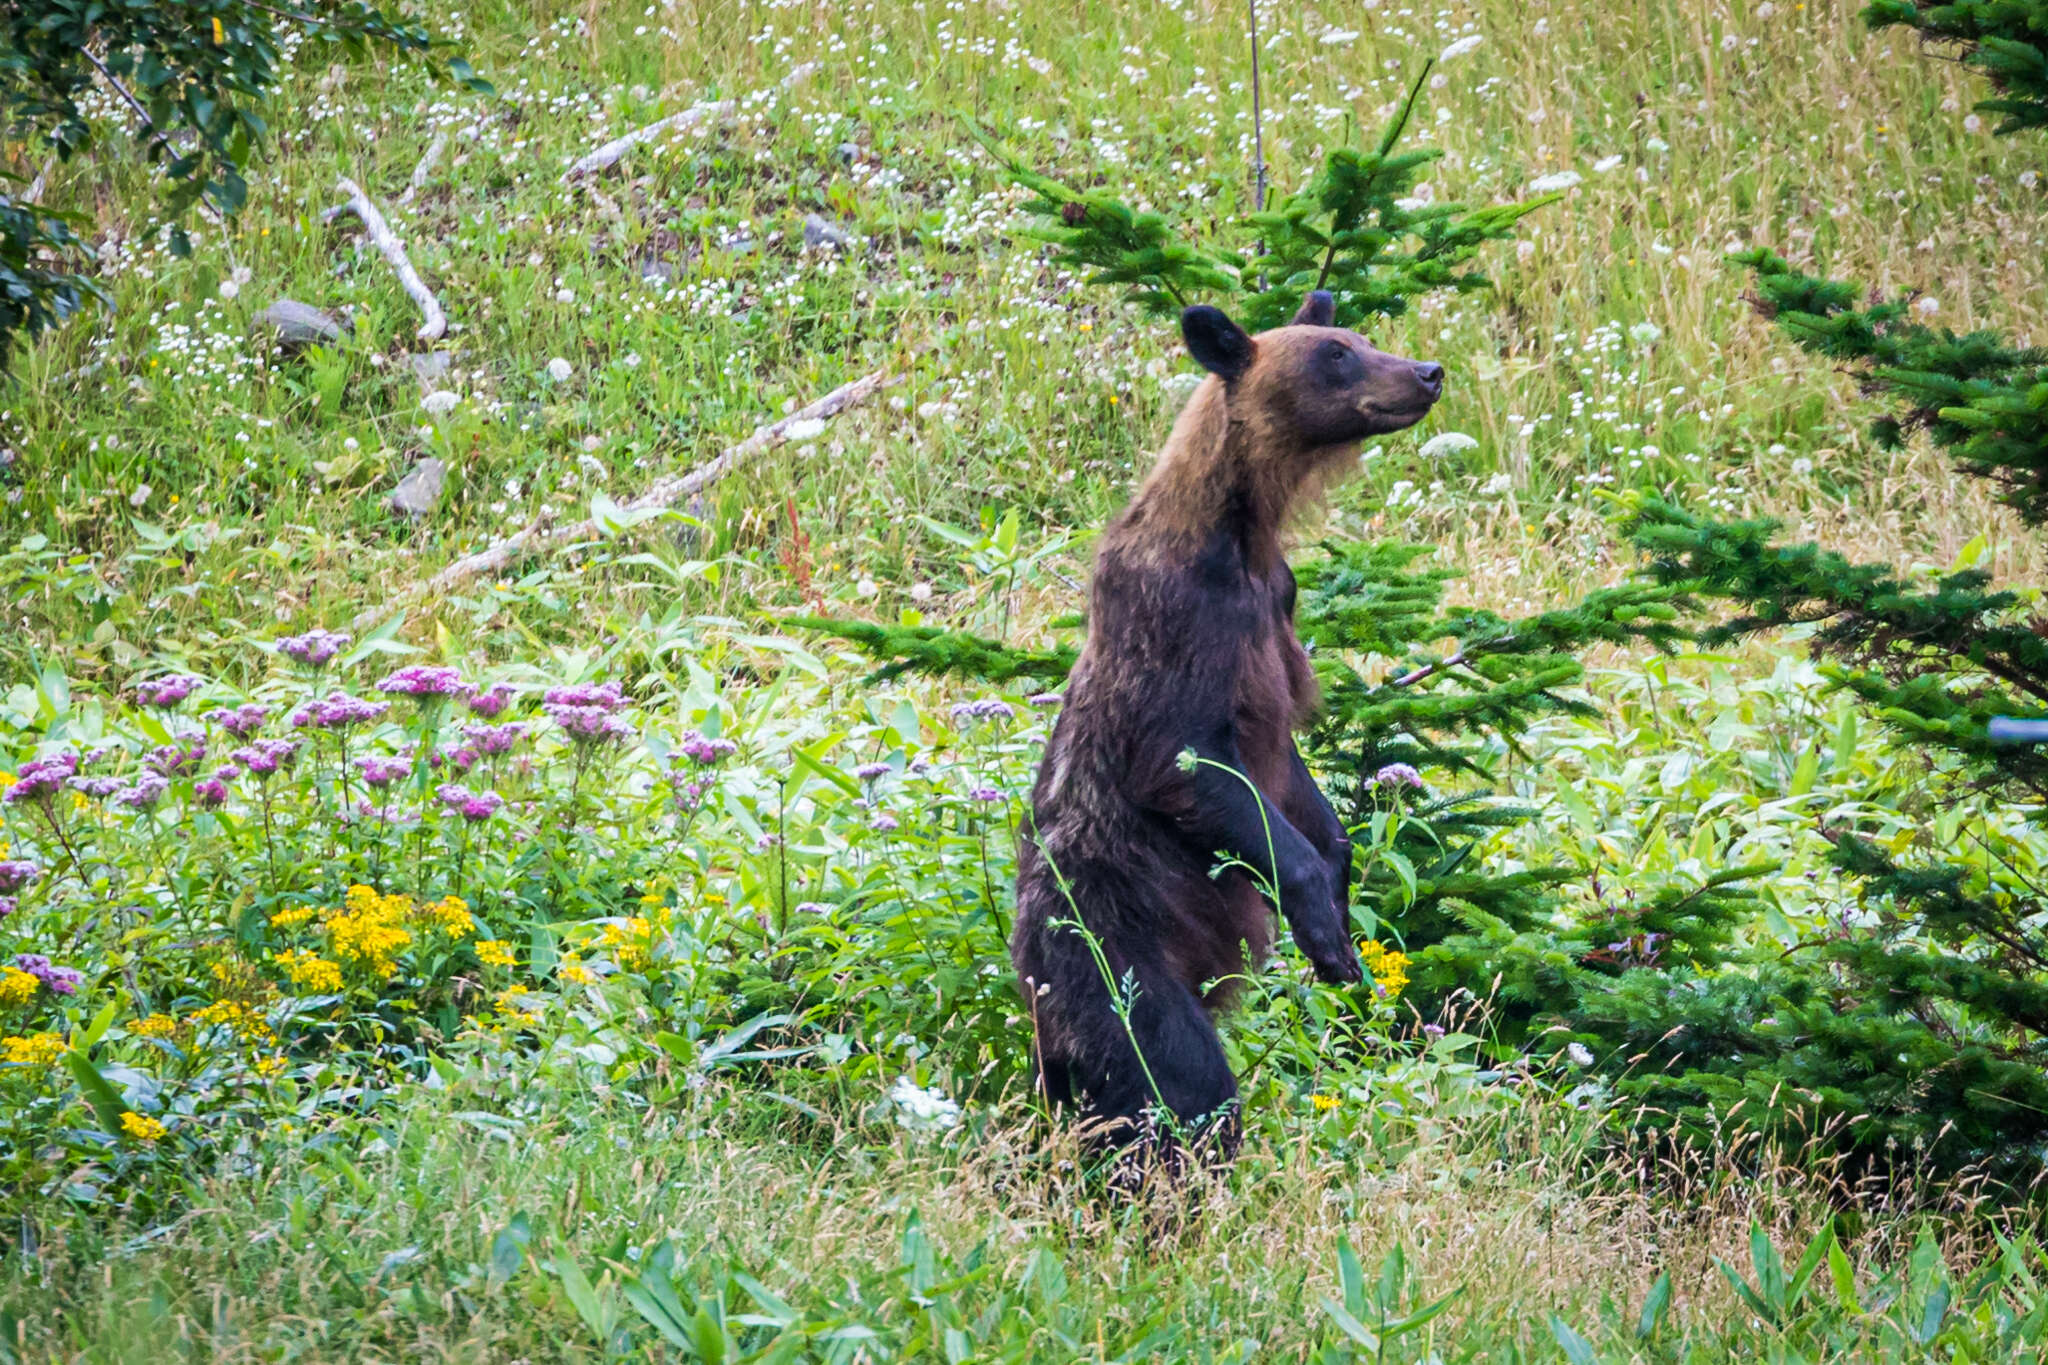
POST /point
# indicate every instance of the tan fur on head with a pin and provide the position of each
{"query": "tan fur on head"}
(1252, 449)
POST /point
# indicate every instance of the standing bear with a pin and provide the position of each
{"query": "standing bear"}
(1174, 752)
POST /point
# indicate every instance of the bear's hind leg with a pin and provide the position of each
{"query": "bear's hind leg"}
(1178, 1065)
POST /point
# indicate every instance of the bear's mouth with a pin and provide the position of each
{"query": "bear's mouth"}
(1397, 416)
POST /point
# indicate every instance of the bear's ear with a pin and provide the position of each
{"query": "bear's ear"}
(1319, 309)
(1218, 345)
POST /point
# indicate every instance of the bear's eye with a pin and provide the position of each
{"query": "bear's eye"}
(1340, 365)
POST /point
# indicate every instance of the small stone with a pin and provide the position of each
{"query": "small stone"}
(300, 324)
(848, 153)
(655, 270)
(421, 488)
(822, 234)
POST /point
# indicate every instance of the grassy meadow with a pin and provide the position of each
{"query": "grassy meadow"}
(678, 1024)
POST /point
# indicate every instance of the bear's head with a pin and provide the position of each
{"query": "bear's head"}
(1310, 385)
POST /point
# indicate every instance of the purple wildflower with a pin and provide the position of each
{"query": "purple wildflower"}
(1397, 775)
(17, 873)
(472, 806)
(461, 759)
(338, 712)
(589, 724)
(7, 906)
(1433, 1030)
(813, 908)
(985, 794)
(490, 702)
(146, 791)
(884, 823)
(1047, 700)
(166, 692)
(423, 681)
(987, 708)
(382, 772)
(40, 779)
(211, 792)
(266, 756)
(241, 721)
(868, 772)
(98, 788)
(493, 740)
(315, 647)
(604, 696)
(174, 760)
(100, 752)
(704, 752)
(57, 980)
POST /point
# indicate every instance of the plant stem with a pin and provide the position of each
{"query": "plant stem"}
(1258, 130)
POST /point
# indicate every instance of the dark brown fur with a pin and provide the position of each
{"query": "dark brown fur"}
(1192, 646)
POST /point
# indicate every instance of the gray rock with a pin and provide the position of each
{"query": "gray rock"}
(430, 367)
(655, 270)
(300, 324)
(822, 234)
(421, 488)
(849, 152)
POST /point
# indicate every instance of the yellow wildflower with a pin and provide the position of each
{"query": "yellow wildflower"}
(631, 944)
(1389, 967)
(516, 1006)
(271, 1066)
(36, 1049)
(1326, 1101)
(450, 915)
(292, 918)
(142, 1127)
(155, 1026)
(495, 953)
(310, 973)
(17, 987)
(245, 1023)
(7, 780)
(368, 930)
(575, 973)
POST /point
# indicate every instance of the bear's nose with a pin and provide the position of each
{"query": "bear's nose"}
(1431, 377)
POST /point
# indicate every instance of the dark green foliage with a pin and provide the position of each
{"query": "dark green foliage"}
(2005, 40)
(1351, 230)
(940, 653)
(36, 291)
(193, 73)
(1919, 1026)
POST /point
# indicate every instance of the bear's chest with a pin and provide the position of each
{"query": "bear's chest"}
(1275, 685)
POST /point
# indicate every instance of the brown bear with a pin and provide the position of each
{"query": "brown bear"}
(1174, 751)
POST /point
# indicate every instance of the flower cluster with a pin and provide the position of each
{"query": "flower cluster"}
(380, 771)
(266, 756)
(241, 721)
(36, 1049)
(338, 711)
(40, 779)
(309, 973)
(144, 792)
(57, 980)
(211, 791)
(705, 752)
(1395, 776)
(473, 806)
(1388, 966)
(315, 647)
(490, 702)
(17, 987)
(987, 708)
(142, 1127)
(165, 693)
(16, 874)
(423, 681)
(490, 741)
(587, 712)
(368, 931)
(177, 759)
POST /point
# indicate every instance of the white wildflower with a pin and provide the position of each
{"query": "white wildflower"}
(1646, 333)
(1461, 47)
(559, 370)
(920, 592)
(1578, 1053)
(1801, 467)
(1337, 37)
(1556, 180)
(1927, 305)
(1658, 145)
(140, 496)
(804, 429)
(1606, 164)
(867, 587)
(2029, 179)
(228, 289)
(1973, 124)
(921, 1110)
(1447, 443)
(441, 402)
(565, 296)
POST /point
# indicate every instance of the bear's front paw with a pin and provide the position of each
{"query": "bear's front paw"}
(1339, 968)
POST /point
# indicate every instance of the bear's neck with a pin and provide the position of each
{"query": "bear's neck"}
(1218, 473)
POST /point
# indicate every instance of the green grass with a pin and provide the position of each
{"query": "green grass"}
(193, 496)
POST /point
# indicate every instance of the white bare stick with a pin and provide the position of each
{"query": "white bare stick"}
(609, 154)
(34, 193)
(428, 160)
(662, 494)
(380, 236)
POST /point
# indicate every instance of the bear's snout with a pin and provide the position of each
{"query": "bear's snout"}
(1430, 376)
